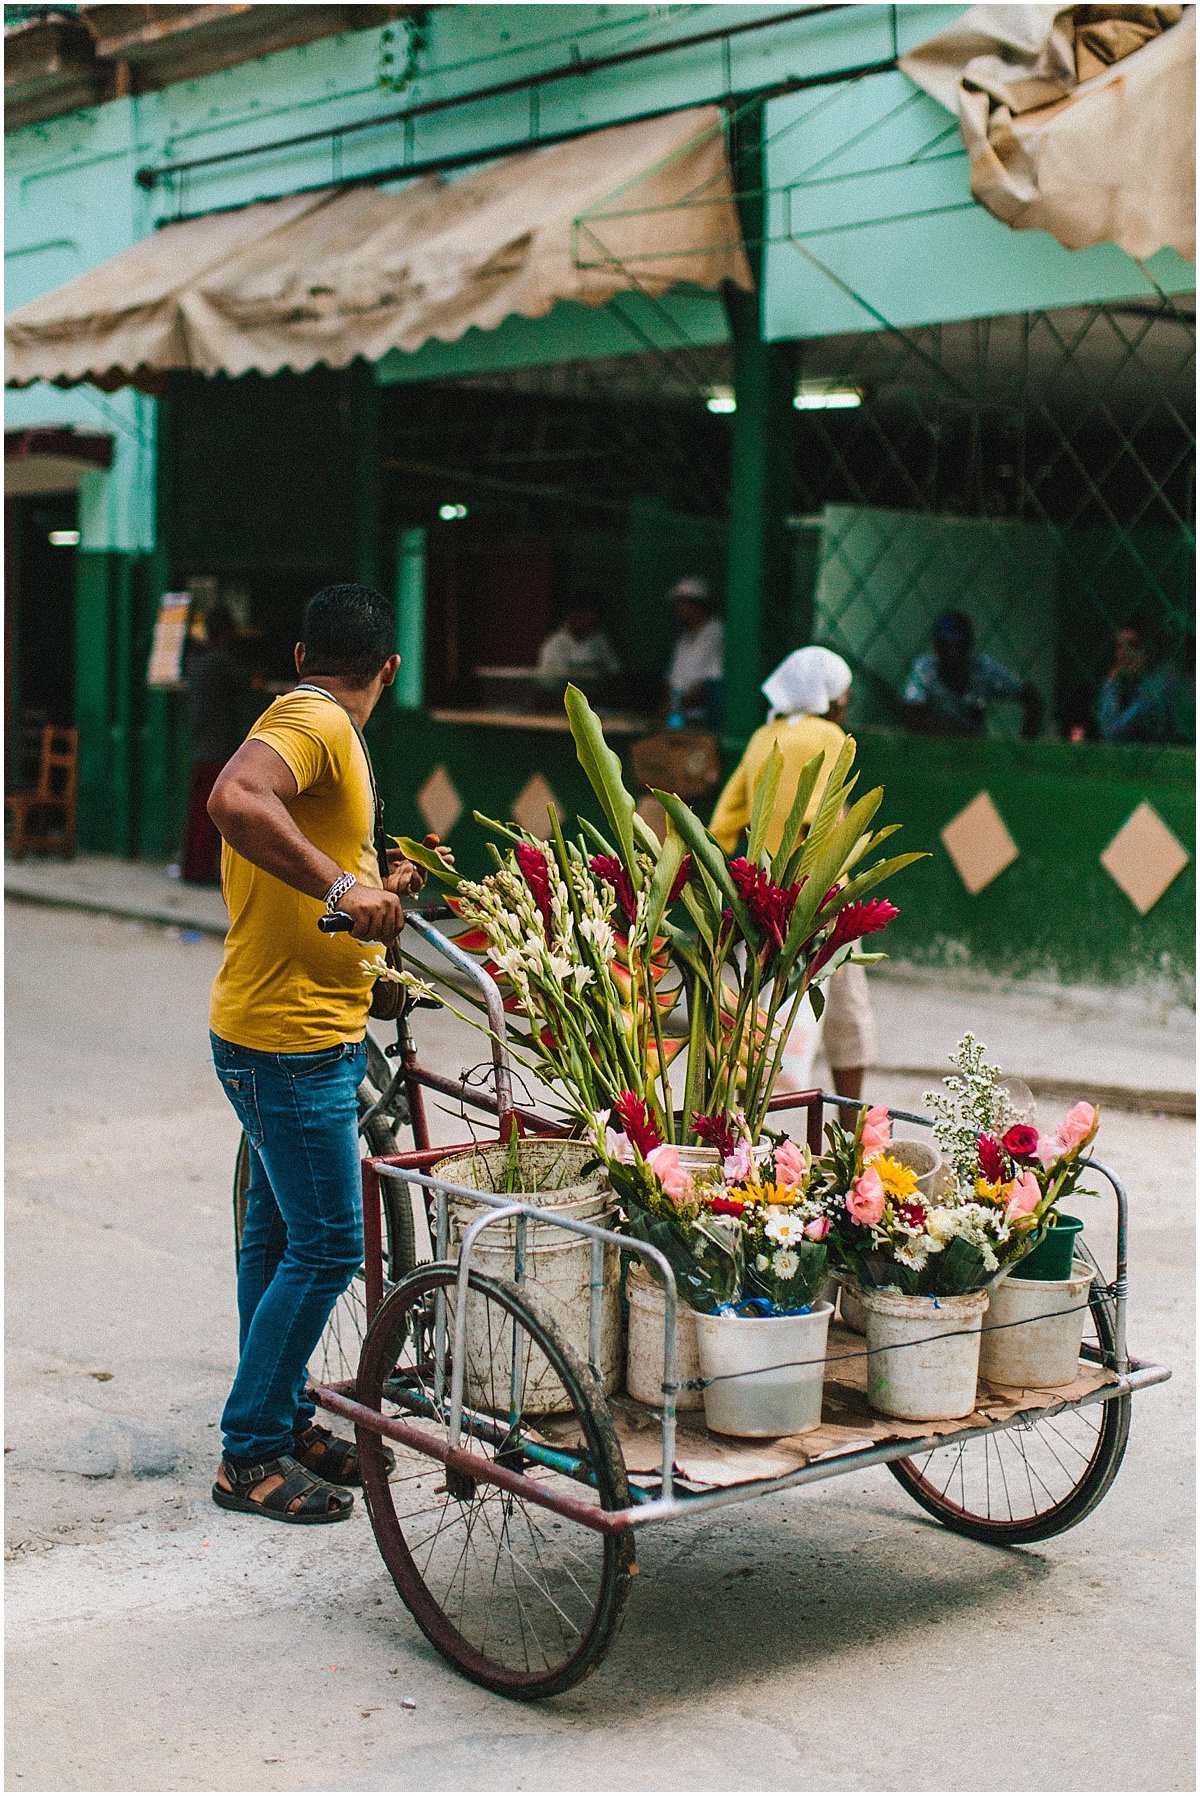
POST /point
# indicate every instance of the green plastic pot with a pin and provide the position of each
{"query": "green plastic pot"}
(1052, 1257)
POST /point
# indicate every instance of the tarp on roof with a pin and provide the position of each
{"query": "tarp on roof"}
(1078, 120)
(341, 273)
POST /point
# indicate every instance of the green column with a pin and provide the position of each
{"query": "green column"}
(760, 479)
(93, 700)
(364, 415)
(409, 689)
(158, 715)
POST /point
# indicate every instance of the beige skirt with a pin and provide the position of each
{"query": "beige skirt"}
(847, 1028)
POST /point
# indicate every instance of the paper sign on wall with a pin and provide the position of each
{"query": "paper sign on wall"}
(170, 637)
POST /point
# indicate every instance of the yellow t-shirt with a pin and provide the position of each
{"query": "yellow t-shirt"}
(798, 740)
(284, 987)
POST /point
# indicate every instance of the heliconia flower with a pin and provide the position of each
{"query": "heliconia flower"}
(866, 917)
(640, 1124)
(536, 870)
(608, 868)
(876, 1130)
(664, 1164)
(716, 1131)
(673, 1045)
(769, 906)
(991, 1159)
(817, 1229)
(1025, 1198)
(1076, 1127)
(790, 1166)
(866, 1198)
(1021, 1141)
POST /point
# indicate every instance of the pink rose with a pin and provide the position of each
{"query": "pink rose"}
(1075, 1127)
(877, 1129)
(818, 1228)
(1025, 1197)
(738, 1165)
(789, 1165)
(867, 1198)
(664, 1164)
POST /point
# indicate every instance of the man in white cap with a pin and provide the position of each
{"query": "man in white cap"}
(808, 694)
(697, 669)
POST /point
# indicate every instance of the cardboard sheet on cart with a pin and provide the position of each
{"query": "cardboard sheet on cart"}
(347, 272)
(705, 1460)
(1080, 121)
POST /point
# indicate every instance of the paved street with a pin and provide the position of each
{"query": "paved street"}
(829, 1639)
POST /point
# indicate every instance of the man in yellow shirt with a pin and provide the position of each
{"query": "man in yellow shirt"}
(808, 694)
(298, 812)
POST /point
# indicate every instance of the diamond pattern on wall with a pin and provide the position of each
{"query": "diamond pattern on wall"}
(439, 803)
(1144, 857)
(532, 807)
(978, 843)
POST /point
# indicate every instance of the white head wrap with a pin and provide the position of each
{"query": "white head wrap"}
(807, 683)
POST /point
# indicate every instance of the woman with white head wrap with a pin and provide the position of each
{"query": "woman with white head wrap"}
(808, 694)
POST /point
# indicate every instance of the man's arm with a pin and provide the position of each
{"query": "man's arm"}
(249, 806)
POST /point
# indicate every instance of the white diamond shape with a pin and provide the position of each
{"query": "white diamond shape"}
(532, 807)
(1144, 857)
(439, 803)
(978, 843)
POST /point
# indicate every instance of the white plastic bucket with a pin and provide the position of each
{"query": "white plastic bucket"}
(644, 1359)
(1035, 1354)
(921, 1158)
(923, 1353)
(558, 1265)
(708, 1159)
(770, 1372)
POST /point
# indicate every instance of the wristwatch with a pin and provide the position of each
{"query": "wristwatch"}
(338, 890)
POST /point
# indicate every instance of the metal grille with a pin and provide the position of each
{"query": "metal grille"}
(1036, 471)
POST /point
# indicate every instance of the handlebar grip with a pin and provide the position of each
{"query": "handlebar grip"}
(337, 922)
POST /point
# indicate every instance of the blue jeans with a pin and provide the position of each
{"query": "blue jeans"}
(302, 1240)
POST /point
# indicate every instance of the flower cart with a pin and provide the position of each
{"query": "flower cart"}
(523, 1466)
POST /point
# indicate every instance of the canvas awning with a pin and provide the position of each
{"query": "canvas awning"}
(1079, 120)
(347, 272)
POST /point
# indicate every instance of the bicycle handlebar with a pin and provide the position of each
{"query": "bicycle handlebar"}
(339, 923)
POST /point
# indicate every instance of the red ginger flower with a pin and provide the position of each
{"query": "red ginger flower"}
(866, 917)
(716, 1131)
(1022, 1141)
(770, 906)
(608, 868)
(638, 1122)
(681, 879)
(991, 1160)
(536, 871)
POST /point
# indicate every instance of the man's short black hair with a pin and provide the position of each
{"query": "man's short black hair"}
(348, 632)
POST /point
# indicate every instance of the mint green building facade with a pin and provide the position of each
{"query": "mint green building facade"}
(875, 267)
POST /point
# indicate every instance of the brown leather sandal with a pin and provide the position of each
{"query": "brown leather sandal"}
(298, 1497)
(320, 1450)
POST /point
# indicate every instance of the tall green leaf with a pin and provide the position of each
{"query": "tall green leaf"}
(795, 818)
(708, 855)
(832, 800)
(670, 859)
(603, 770)
(429, 859)
(762, 807)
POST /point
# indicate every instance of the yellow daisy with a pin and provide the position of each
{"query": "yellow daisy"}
(899, 1181)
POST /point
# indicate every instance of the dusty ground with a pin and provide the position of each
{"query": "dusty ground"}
(833, 1639)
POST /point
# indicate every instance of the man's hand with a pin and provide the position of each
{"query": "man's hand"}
(378, 916)
(405, 875)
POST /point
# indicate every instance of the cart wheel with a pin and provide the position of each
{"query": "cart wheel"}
(337, 1355)
(1033, 1480)
(523, 1600)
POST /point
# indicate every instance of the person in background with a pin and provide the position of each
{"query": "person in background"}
(950, 686)
(578, 650)
(808, 694)
(216, 681)
(1139, 700)
(697, 672)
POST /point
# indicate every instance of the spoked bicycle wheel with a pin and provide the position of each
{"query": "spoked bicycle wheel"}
(523, 1600)
(1035, 1479)
(337, 1355)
